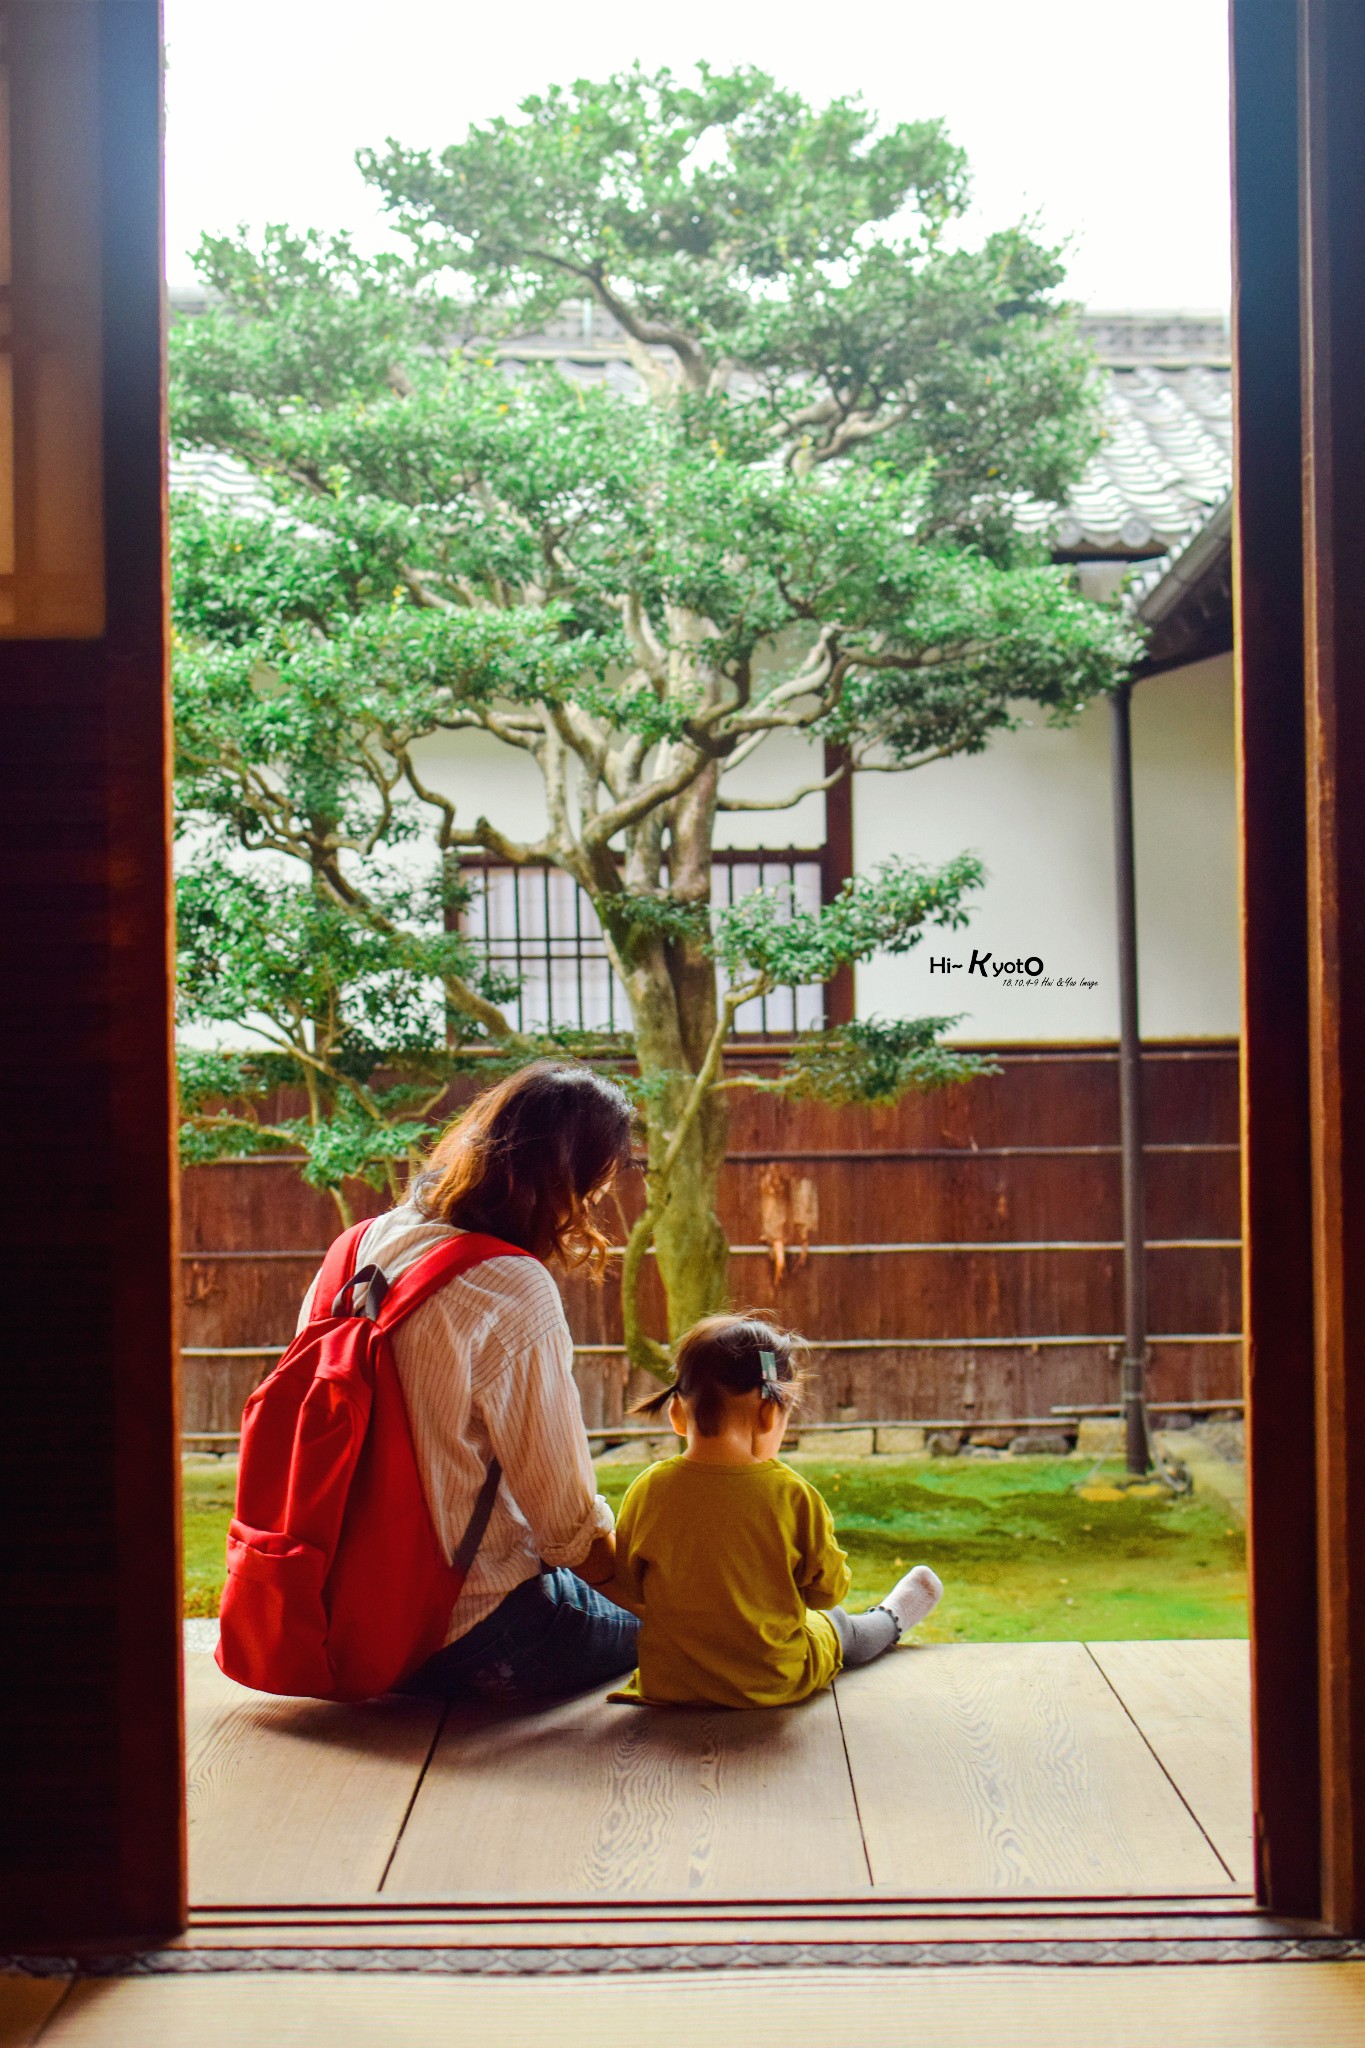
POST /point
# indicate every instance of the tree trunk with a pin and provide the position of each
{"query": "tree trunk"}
(671, 984)
(693, 1254)
(672, 993)
(691, 1247)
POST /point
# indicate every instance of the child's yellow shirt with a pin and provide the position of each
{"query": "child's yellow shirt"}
(723, 1563)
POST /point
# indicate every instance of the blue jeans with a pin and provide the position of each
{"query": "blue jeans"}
(552, 1635)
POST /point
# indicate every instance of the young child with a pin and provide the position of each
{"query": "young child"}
(724, 1552)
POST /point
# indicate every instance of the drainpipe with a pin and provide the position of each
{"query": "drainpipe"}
(1137, 1437)
(1103, 583)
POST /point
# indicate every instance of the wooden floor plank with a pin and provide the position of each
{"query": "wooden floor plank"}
(1192, 1702)
(594, 1800)
(1214, 2005)
(25, 2002)
(987, 1768)
(295, 1801)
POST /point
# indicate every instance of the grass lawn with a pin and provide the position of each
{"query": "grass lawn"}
(1025, 1555)
(206, 1498)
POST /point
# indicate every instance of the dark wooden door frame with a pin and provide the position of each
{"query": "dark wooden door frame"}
(1299, 311)
(91, 1758)
(1277, 1255)
(1332, 200)
(94, 1749)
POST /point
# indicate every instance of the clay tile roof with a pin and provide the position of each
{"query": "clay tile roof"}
(222, 480)
(1164, 466)
(1165, 463)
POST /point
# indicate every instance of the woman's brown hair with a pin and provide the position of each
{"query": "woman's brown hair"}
(525, 1159)
(724, 1355)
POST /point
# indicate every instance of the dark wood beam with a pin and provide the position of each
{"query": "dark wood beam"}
(1332, 63)
(92, 1751)
(1277, 1256)
(836, 865)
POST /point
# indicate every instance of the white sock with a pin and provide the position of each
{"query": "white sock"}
(914, 1596)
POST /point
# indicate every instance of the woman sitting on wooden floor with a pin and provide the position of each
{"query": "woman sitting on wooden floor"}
(486, 1366)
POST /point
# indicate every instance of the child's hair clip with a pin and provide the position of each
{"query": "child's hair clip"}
(768, 1365)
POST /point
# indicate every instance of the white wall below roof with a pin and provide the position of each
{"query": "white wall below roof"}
(484, 776)
(1185, 773)
(1036, 807)
(785, 762)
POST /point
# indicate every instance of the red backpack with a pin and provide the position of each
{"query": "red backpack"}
(338, 1587)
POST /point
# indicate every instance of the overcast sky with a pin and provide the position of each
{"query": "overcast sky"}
(1108, 120)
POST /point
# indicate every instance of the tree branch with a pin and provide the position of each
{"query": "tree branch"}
(646, 332)
(608, 823)
(458, 993)
(780, 803)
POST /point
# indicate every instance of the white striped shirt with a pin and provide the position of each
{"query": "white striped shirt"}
(486, 1366)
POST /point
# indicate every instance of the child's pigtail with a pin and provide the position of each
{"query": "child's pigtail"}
(726, 1355)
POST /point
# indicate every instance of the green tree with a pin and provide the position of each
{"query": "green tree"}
(301, 923)
(804, 517)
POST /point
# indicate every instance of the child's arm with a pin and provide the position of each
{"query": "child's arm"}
(599, 1566)
(627, 1584)
(823, 1578)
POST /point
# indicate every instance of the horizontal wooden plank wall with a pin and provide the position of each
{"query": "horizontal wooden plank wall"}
(990, 1215)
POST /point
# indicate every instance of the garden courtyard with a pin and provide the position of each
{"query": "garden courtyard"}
(1030, 1549)
(741, 586)
(1073, 1722)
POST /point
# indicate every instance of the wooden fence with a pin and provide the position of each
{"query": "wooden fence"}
(956, 1257)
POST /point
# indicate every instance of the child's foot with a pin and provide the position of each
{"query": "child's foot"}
(916, 1595)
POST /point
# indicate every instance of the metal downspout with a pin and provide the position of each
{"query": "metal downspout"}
(1133, 1391)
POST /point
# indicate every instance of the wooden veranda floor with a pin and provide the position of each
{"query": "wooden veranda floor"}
(1050, 1770)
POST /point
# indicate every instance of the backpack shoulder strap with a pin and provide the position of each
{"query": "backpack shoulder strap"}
(423, 1278)
(444, 1262)
(337, 1268)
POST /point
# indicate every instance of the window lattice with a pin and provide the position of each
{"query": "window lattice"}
(536, 924)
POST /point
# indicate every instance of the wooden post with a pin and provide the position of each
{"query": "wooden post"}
(91, 1756)
(1333, 196)
(1277, 1254)
(836, 865)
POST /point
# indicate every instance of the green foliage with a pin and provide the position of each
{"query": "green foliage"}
(852, 414)
(661, 917)
(797, 243)
(699, 195)
(881, 912)
(350, 1006)
(224, 1098)
(804, 518)
(353, 1144)
(1023, 1557)
(254, 945)
(877, 1060)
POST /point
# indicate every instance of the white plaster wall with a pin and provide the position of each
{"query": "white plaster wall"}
(784, 763)
(484, 776)
(1036, 807)
(1185, 793)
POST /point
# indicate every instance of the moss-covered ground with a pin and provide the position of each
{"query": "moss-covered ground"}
(1032, 1549)
(206, 1502)
(1029, 1549)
